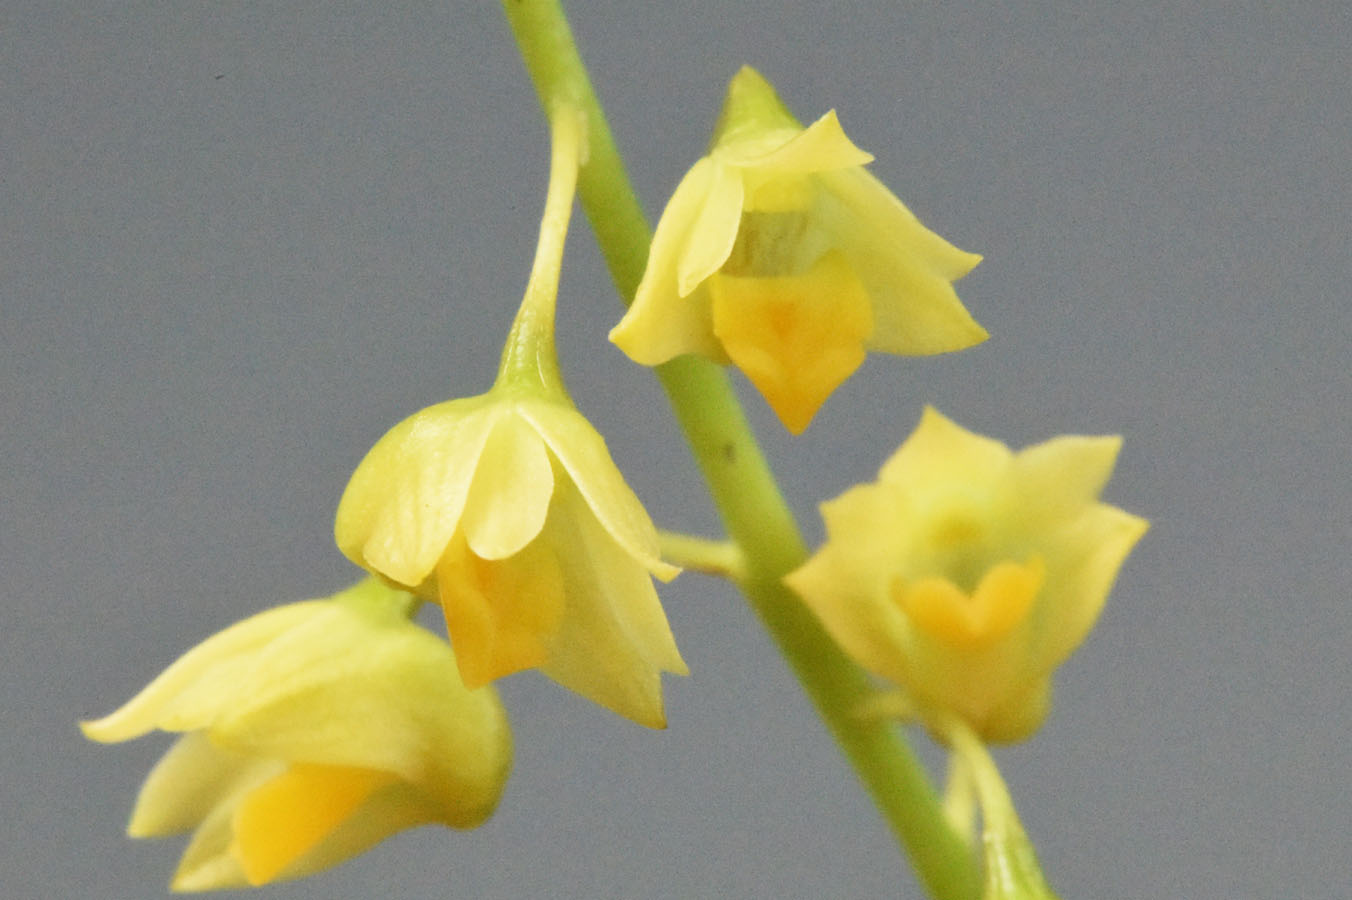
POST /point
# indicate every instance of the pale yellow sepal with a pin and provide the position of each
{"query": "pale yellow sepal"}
(770, 202)
(509, 506)
(966, 573)
(312, 731)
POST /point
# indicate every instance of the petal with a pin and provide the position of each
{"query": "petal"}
(405, 499)
(1083, 559)
(211, 861)
(509, 496)
(661, 323)
(796, 337)
(846, 582)
(907, 269)
(940, 453)
(202, 682)
(614, 639)
(207, 864)
(500, 613)
(389, 811)
(286, 817)
(582, 452)
(714, 231)
(1060, 477)
(193, 778)
(821, 147)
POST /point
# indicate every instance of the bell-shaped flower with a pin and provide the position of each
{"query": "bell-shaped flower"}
(311, 732)
(966, 573)
(540, 553)
(778, 252)
(509, 505)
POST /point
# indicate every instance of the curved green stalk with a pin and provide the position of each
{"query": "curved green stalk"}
(744, 489)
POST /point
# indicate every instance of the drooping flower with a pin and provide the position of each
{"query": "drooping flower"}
(540, 553)
(966, 573)
(510, 505)
(311, 732)
(778, 252)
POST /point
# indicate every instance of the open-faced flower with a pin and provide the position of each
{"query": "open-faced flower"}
(539, 552)
(966, 573)
(778, 252)
(311, 732)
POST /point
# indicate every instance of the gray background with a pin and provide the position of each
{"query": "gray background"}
(241, 240)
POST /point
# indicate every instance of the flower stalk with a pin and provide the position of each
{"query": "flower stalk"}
(744, 489)
(530, 354)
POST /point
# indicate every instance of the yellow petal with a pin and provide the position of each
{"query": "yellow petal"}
(821, 147)
(404, 501)
(190, 780)
(614, 639)
(1060, 477)
(283, 819)
(581, 451)
(907, 269)
(661, 323)
(777, 179)
(200, 683)
(500, 613)
(798, 337)
(387, 811)
(942, 453)
(846, 583)
(711, 237)
(510, 493)
(207, 863)
(1088, 552)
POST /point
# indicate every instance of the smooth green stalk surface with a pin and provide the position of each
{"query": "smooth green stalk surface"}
(744, 490)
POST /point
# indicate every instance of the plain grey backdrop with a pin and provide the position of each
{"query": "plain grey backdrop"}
(240, 240)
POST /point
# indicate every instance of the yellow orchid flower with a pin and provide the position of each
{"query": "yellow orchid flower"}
(510, 504)
(966, 573)
(312, 731)
(778, 252)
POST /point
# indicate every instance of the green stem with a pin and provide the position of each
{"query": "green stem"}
(744, 489)
(722, 558)
(1011, 865)
(529, 354)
